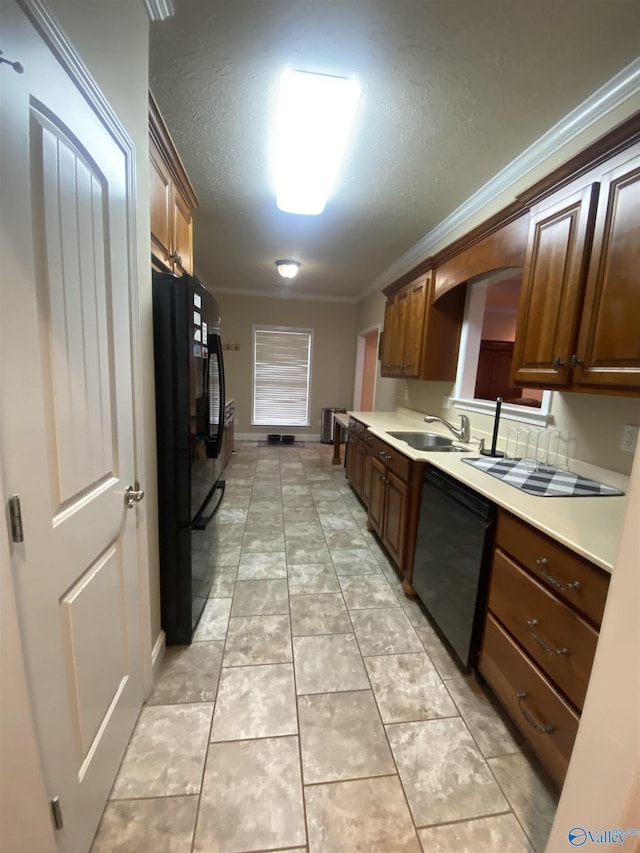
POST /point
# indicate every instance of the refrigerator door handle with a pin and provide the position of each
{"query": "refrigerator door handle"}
(217, 349)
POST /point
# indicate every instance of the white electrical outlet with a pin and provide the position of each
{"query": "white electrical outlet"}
(446, 402)
(406, 394)
(629, 438)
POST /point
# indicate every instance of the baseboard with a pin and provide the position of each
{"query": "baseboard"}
(262, 436)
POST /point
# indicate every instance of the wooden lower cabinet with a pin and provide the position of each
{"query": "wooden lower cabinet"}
(394, 503)
(396, 512)
(545, 604)
(357, 466)
(545, 718)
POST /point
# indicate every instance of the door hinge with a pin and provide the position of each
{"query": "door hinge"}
(56, 811)
(15, 513)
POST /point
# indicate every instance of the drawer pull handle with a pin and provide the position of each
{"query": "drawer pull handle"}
(554, 581)
(532, 623)
(383, 455)
(543, 728)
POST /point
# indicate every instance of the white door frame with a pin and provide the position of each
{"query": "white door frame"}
(360, 347)
(16, 702)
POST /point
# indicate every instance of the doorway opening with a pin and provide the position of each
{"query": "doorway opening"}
(366, 369)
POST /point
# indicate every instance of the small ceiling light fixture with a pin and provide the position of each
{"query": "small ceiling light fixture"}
(287, 268)
(315, 114)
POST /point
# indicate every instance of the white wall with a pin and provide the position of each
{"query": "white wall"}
(333, 357)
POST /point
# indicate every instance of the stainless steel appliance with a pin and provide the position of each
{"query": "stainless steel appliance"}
(190, 396)
(453, 556)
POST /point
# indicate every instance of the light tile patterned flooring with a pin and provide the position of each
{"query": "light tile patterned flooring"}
(316, 709)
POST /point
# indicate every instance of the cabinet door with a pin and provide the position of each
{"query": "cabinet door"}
(160, 192)
(392, 339)
(608, 350)
(182, 234)
(366, 478)
(414, 328)
(355, 462)
(350, 454)
(395, 516)
(552, 287)
(377, 496)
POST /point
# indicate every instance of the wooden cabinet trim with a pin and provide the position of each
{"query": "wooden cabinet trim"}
(503, 248)
(160, 135)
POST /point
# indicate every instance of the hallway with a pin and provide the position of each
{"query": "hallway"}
(316, 708)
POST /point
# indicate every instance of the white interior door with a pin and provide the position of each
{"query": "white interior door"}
(67, 422)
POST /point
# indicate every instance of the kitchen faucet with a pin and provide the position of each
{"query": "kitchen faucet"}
(463, 433)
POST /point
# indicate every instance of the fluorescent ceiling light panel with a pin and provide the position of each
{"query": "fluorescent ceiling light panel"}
(315, 114)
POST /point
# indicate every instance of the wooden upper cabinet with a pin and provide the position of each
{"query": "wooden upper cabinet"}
(578, 323)
(413, 323)
(182, 234)
(414, 326)
(560, 235)
(393, 336)
(160, 192)
(608, 349)
(172, 199)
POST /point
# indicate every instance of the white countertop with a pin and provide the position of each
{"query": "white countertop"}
(590, 526)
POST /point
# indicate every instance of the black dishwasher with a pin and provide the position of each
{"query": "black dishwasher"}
(453, 557)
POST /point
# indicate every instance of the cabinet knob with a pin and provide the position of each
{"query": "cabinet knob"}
(557, 362)
(575, 361)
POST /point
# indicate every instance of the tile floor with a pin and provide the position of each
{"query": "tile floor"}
(316, 709)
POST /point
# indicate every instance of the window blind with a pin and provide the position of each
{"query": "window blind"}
(281, 375)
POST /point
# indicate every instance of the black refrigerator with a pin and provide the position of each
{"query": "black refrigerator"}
(190, 397)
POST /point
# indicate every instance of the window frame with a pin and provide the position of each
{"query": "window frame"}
(468, 361)
(261, 327)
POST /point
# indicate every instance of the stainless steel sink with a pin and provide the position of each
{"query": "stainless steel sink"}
(429, 441)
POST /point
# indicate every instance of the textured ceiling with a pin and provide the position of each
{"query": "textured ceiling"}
(453, 90)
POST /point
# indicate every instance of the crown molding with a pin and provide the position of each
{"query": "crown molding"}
(622, 86)
(287, 294)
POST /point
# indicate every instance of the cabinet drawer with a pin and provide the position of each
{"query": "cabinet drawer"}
(529, 698)
(395, 461)
(560, 641)
(575, 580)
